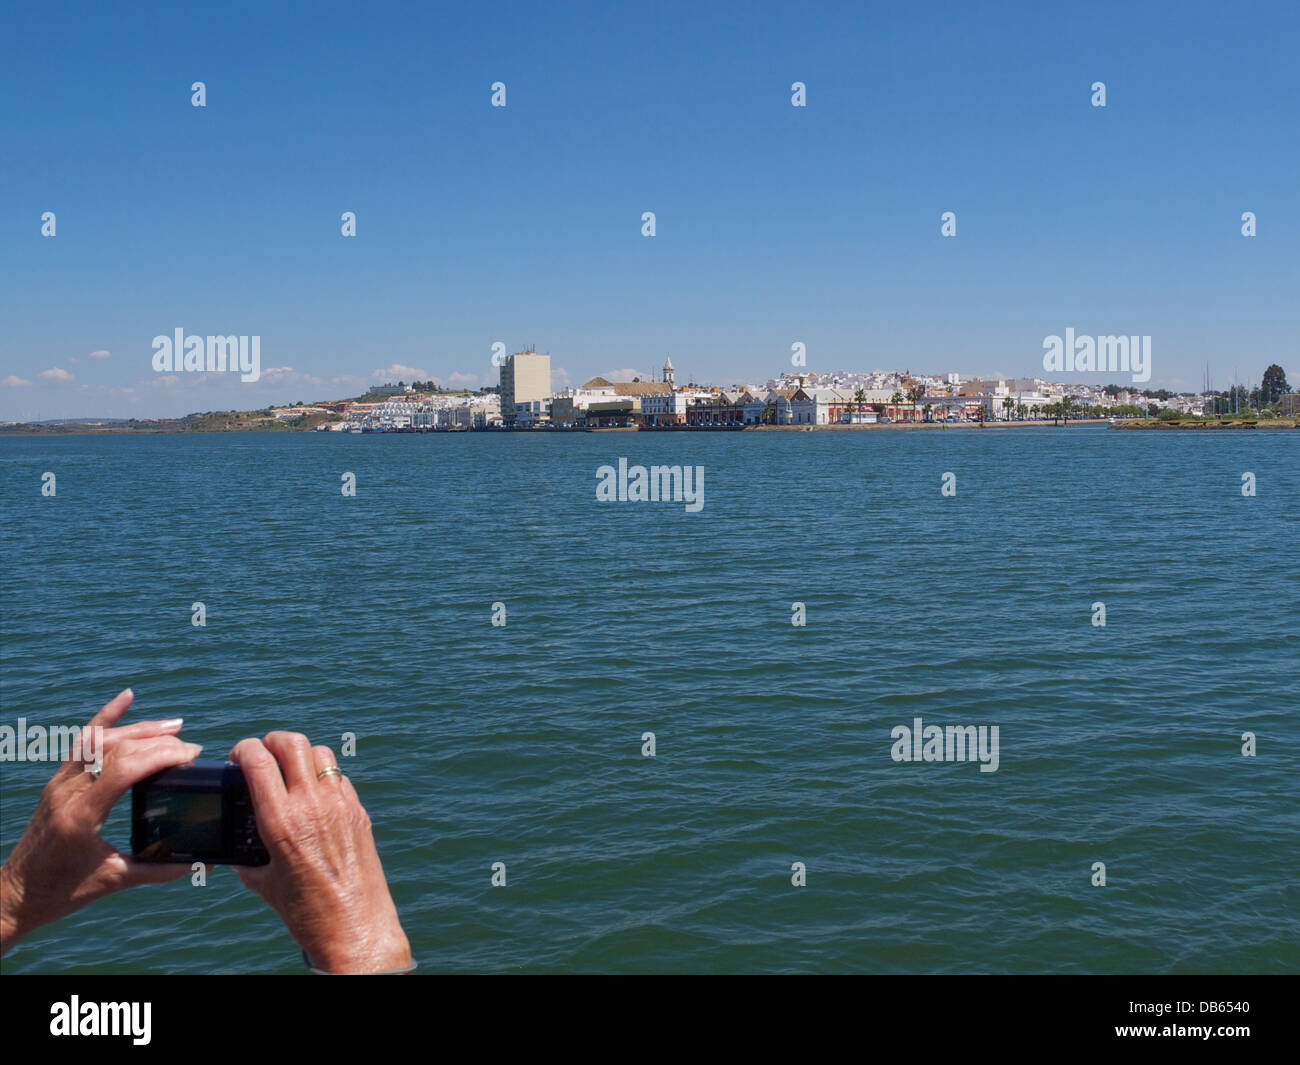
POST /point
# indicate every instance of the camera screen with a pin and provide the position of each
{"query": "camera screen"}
(183, 822)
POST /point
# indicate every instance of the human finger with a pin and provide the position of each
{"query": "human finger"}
(293, 752)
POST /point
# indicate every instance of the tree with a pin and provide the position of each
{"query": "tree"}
(1008, 405)
(1273, 386)
(860, 398)
(914, 395)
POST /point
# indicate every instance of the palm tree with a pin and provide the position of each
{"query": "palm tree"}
(860, 399)
(1007, 405)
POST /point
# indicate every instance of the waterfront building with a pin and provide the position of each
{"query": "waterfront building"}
(525, 378)
(614, 413)
(715, 408)
(753, 405)
(666, 405)
(531, 414)
(1033, 403)
(779, 399)
(654, 403)
(657, 393)
(819, 406)
(878, 398)
(565, 411)
(728, 408)
(665, 408)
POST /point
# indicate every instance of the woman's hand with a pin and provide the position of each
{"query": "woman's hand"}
(325, 879)
(61, 863)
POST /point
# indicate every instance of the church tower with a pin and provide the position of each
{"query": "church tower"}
(668, 371)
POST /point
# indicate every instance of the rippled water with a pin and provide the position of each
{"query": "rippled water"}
(522, 744)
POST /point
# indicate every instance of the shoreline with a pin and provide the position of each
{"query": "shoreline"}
(92, 429)
(1146, 424)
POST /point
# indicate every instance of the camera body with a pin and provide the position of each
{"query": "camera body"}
(201, 812)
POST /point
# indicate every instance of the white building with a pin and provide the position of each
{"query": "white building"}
(819, 406)
(669, 408)
(1031, 402)
(532, 413)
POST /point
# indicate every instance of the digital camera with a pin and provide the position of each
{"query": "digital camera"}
(201, 812)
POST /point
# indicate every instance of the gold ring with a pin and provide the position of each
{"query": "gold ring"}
(329, 771)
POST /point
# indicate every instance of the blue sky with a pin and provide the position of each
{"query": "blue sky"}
(522, 224)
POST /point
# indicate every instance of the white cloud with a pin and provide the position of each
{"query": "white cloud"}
(15, 382)
(101, 354)
(627, 375)
(57, 374)
(281, 375)
(398, 372)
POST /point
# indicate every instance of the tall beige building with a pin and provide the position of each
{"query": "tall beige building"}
(525, 378)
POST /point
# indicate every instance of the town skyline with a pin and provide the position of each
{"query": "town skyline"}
(357, 386)
(937, 193)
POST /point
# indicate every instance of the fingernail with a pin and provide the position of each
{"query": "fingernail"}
(196, 747)
(126, 691)
(172, 723)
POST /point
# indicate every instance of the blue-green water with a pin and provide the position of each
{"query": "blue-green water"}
(522, 744)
